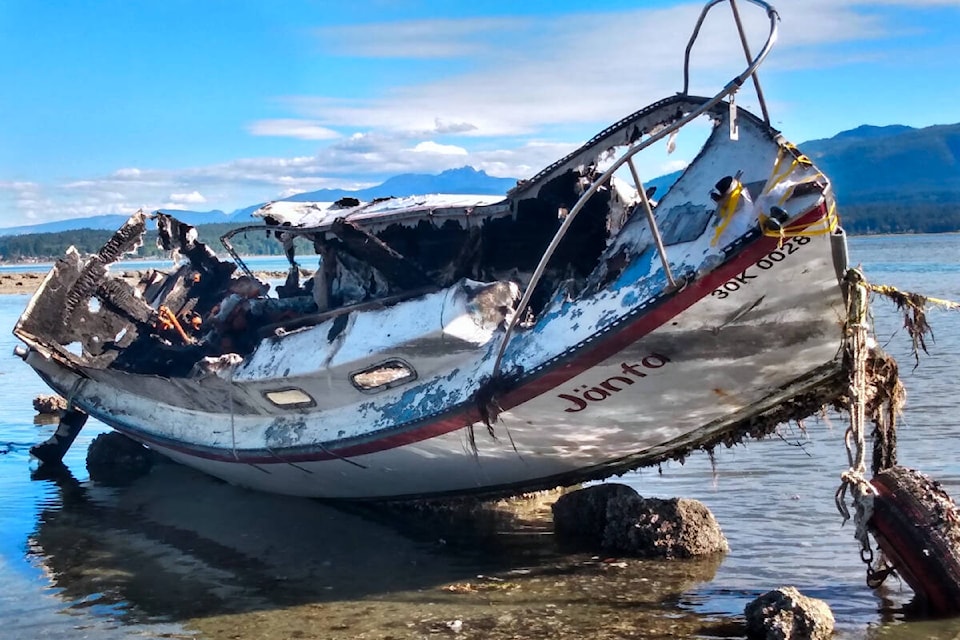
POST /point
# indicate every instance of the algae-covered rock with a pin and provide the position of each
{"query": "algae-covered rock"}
(49, 404)
(115, 459)
(653, 527)
(580, 517)
(786, 614)
(614, 518)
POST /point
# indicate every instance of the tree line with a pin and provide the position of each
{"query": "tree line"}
(50, 246)
(857, 219)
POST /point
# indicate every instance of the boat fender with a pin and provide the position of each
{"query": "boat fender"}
(839, 252)
(917, 526)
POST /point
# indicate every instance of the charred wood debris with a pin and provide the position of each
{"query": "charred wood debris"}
(167, 323)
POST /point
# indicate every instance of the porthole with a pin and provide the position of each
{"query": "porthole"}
(384, 375)
(290, 398)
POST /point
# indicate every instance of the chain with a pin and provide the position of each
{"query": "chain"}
(854, 480)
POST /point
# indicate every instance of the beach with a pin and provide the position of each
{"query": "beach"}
(14, 282)
(25, 282)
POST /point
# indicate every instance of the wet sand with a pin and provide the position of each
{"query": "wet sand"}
(229, 563)
(28, 282)
(19, 282)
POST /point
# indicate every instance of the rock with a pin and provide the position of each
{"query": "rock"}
(114, 459)
(786, 614)
(656, 528)
(614, 518)
(580, 517)
(49, 405)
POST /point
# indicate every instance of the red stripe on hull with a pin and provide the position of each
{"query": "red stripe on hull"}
(602, 349)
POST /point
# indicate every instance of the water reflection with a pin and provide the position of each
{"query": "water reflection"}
(179, 546)
(225, 563)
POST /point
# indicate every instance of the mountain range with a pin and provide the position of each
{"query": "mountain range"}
(915, 171)
(873, 164)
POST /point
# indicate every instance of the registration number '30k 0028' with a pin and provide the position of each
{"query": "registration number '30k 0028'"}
(789, 247)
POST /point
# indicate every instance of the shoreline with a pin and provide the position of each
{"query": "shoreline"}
(28, 282)
(21, 282)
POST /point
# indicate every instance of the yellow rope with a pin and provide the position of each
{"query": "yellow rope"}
(828, 224)
(775, 177)
(825, 225)
(885, 289)
(726, 212)
(776, 168)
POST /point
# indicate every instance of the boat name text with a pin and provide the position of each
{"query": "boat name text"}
(581, 397)
(789, 247)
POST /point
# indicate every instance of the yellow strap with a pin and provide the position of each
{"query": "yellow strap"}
(775, 177)
(776, 168)
(726, 212)
(827, 224)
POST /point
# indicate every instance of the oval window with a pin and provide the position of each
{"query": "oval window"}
(289, 398)
(385, 375)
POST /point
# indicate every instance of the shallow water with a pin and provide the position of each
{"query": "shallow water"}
(181, 555)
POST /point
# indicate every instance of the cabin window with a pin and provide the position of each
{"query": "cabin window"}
(383, 376)
(289, 398)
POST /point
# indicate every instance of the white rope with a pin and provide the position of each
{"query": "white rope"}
(854, 480)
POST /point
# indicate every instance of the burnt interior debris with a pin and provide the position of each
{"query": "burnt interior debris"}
(165, 323)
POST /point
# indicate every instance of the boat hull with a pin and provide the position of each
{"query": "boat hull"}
(761, 328)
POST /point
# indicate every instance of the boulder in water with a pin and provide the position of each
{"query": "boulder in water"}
(114, 459)
(49, 404)
(614, 518)
(786, 614)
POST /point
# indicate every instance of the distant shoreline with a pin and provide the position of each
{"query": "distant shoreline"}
(22, 282)
(28, 282)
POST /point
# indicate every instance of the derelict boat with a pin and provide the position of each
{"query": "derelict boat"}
(451, 345)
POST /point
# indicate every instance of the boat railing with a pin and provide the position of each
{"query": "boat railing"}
(753, 63)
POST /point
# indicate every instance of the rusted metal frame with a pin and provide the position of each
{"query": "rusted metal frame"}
(746, 52)
(652, 222)
(225, 241)
(727, 90)
(752, 63)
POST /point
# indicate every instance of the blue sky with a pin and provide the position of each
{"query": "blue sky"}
(109, 106)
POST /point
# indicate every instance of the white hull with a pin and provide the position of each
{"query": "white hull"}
(743, 338)
(407, 367)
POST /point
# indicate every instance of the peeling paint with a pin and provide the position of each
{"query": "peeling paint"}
(184, 359)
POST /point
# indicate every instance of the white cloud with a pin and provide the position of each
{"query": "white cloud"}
(292, 128)
(429, 146)
(194, 197)
(673, 165)
(18, 185)
(530, 92)
(582, 69)
(441, 38)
